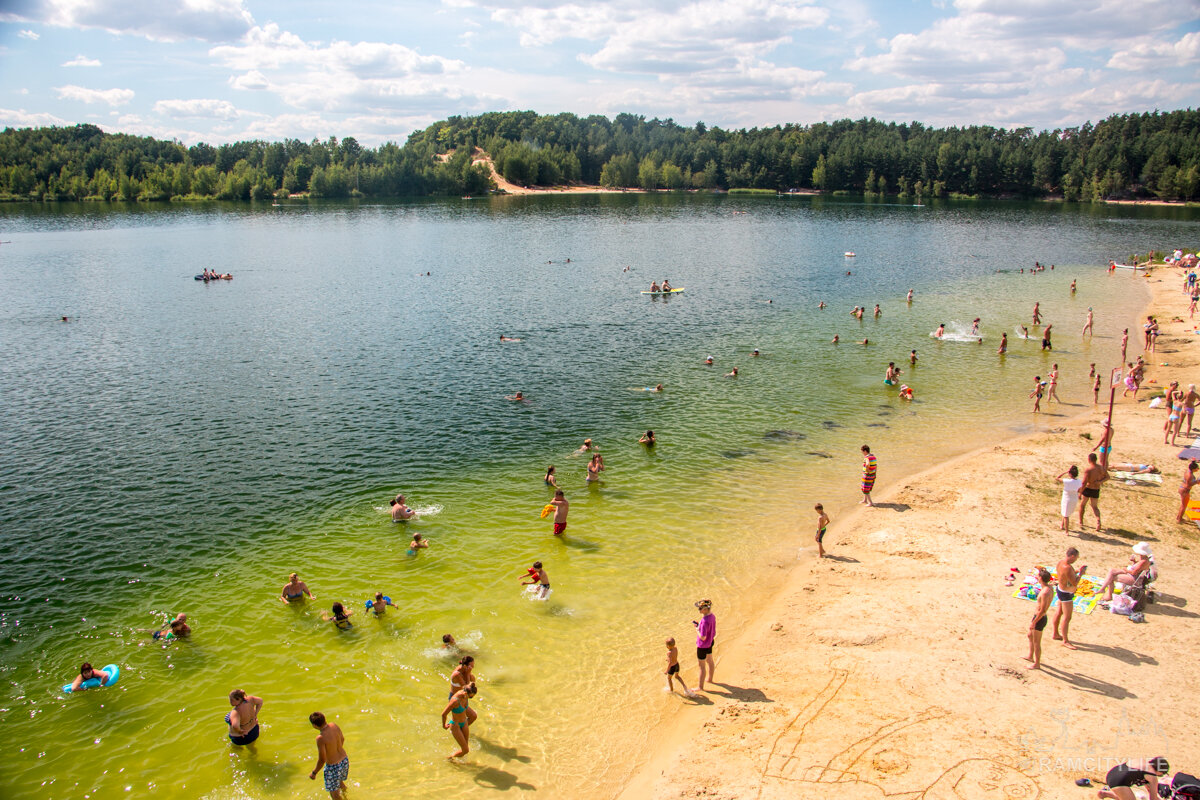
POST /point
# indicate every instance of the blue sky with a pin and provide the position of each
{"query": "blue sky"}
(223, 70)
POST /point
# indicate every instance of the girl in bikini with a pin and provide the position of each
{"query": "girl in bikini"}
(340, 617)
(1173, 400)
(461, 717)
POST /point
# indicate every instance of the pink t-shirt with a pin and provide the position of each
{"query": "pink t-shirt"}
(707, 631)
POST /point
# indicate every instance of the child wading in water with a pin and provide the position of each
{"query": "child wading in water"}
(1038, 623)
(822, 525)
(672, 670)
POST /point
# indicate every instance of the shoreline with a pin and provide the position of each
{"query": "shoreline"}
(811, 642)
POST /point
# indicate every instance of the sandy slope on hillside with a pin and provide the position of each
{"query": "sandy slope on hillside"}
(895, 670)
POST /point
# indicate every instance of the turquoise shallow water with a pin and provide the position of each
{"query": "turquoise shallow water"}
(181, 446)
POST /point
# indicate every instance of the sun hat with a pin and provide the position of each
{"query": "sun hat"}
(1142, 549)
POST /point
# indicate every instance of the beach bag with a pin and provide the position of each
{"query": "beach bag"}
(1185, 787)
(1121, 604)
(1156, 403)
(1137, 616)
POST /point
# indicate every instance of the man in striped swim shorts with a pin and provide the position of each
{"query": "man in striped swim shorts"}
(331, 754)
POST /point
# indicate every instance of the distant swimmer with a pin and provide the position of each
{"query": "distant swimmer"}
(941, 330)
(516, 398)
(835, 339)
(504, 338)
(594, 468)
(848, 272)
(755, 353)
(379, 605)
(550, 479)
(1039, 389)
(243, 720)
(1037, 316)
(1052, 390)
(733, 374)
(1003, 344)
(822, 526)
(648, 439)
(540, 578)
(657, 388)
(417, 543)
(66, 319)
(561, 507)
(1046, 337)
(708, 361)
(339, 616)
(1024, 332)
(975, 327)
(586, 447)
(877, 311)
(177, 629)
(912, 357)
(401, 512)
(1087, 328)
(910, 294)
(87, 673)
(1072, 287)
(854, 313)
(891, 374)
(448, 642)
(295, 589)
(865, 342)
(819, 305)
(905, 392)
(331, 754)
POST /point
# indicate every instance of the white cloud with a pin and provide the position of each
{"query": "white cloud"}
(251, 81)
(162, 20)
(20, 118)
(29, 35)
(345, 76)
(1148, 54)
(205, 109)
(82, 61)
(114, 97)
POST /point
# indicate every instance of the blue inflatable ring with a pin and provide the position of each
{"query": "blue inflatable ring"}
(94, 683)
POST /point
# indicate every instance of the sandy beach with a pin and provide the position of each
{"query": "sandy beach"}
(895, 667)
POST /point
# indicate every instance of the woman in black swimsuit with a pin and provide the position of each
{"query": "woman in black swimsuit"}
(1144, 772)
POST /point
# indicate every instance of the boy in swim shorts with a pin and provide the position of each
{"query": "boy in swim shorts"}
(672, 670)
(561, 507)
(331, 753)
(822, 525)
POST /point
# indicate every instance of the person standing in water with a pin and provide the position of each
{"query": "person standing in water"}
(648, 439)
(561, 507)
(1038, 623)
(459, 725)
(910, 293)
(672, 670)
(1039, 388)
(1087, 327)
(912, 357)
(1072, 287)
(1096, 391)
(1068, 583)
(1003, 344)
(706, 636)
(594, 468)
(869, 468)
(1046, 337)
(401, 512)
(243, 720)
(941, 330)
(1124, 343)
(822, 526)
(1037, 315)
(1052, 391)
(331, 754)
(890, 376)
(295, 589)
(550, 480)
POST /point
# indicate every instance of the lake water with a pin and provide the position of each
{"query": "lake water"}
(179, 446)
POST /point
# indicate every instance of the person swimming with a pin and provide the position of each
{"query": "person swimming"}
(416, 544)
(340, 617)
(550, 479)
(295, 589)
(648, 439)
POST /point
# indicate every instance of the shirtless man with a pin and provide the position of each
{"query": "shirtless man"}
(1068, 582)
(243, 720)
(910, 292)
(1046, 337)
(912, 357)
(1190, 399)
(331, 753)
(586, 447)
(1003, 344)
(561, 507)
(1105, 443)
(1093, 476)
(892, 374)
(941, 329)
(401, 512)
(1037, 316)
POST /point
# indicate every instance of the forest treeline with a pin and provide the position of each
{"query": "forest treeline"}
(1126, 155)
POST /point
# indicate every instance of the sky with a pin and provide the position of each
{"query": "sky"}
(225, 70)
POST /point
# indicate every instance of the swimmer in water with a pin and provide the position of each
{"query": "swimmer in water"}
(550, 479)
(448, 642)
(648, 439)
(1037, 315)
(890, 376)
(910, 293)
(819, 305)
(1003, 344)
(177, 629)
(87, 673)
(708, 361)
(733, 374)
(401, 512)
(975, 327)
(835, 339)
(586, 447)
(504, 338)
(295, 589)
(877, 311)
(380, 604)
(1072, 287)
(516, 398)
(865, 341)
(539, 577)
(912, 357)
(594, 468)
(657, 388)
(755, 353)
(339, 616)
(1024, 332)
(416, 544)
(940, 331)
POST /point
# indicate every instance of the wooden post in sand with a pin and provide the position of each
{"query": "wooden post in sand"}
(1114, 381)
